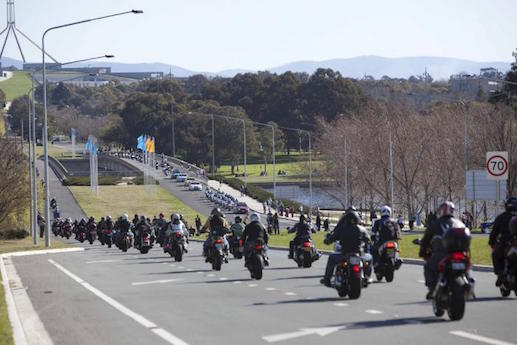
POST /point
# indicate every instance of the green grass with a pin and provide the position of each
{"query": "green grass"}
(480, 251)
(18, 85)
(8, 246)
(6, 334)
(117, 200)
(2, 125)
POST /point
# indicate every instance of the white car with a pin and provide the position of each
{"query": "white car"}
(195, 186)
(181, 177)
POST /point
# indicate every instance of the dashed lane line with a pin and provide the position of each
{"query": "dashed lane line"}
(341, 304)
(374, 312)
(151, 326)
(479, 338)
(161, 281)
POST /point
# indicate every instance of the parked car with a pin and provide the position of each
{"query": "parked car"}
(242, 208)
(175, 173)
(181, 177)
(195, 186)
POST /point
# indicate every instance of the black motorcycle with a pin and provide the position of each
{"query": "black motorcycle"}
(305, 253)
(255, 261)
(389, 261)
(215, 254)
(509, 276)
(175, 246)
(348, 277)
(125, 242)
(236, 247)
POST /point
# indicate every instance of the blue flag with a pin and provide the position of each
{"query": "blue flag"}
(94, 147)
(140, 143)
(72, 133)
(89, 144)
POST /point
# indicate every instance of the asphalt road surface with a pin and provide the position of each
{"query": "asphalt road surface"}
(104, 296)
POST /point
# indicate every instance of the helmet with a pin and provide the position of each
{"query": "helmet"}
(446, 209)
(69, 220)
(161, 215)
(91, 219)
(513, 226)
(254, 217)
(238, 219)
(351, 208)
(175, 216)
(385, 211)
(125, 216)
(352, 218)
(108, 218)
(142, 218)
(511, 204)
(216, 211)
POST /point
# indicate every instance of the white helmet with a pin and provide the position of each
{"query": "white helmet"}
(385, 211)
(254, 217)
(175, 216)
(125, 216)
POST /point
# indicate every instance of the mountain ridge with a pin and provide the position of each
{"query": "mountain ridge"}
(355, 67)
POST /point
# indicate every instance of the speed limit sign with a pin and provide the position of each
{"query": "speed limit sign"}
(497, 165)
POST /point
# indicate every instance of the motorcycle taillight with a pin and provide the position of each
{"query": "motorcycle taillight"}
(458, 256)
(259, 247)
(356, 268)
(240, 243)
(178, 235)
(306, 244)
(219, 240)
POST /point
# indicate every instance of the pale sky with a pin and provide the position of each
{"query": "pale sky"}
(212, 35)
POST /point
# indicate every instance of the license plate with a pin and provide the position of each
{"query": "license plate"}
(354, 260)
(390, 251)
(458, 266)
(307, 249)
(219, 246)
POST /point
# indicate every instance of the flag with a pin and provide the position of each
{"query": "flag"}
(94, 147)
(89, 144)
(148, 144)
(140, 143)
(72, 135)
(151, 146)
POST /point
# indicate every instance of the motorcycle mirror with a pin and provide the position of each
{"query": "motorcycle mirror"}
(417, 241)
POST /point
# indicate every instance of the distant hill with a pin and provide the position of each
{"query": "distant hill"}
(357, 67)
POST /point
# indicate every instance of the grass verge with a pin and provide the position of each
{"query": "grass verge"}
(117, 200)
(480, 251)
(6, 333)
(7, 246)
(2, 125)
(16, 86)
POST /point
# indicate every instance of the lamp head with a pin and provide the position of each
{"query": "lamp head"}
(137, 11)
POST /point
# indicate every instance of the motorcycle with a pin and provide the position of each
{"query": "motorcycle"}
(216, 254)
(236, 247)
(305, 253)
(108, 237)
(56, 228)
(175, 246)
(348, 277)
(125, 242)
(389, 261)
(453, 286)
(81, 236)
(145, 243)
(66, 231)
(255, 261)
(509, 277)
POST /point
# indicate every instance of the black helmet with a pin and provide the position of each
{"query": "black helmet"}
(511, 204)
(216, 211)
(352, 218)
(238, 219)
(142, 218)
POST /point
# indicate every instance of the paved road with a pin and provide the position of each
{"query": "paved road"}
(200, 306)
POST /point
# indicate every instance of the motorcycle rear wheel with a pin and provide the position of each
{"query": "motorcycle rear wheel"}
(389, 275)
(178, 257)
(504, 291)
(217, 262)
(257, 268)
(355, 287)
(307, 260)
(456, 308)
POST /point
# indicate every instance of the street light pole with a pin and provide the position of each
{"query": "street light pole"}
(310, 170)
(213, 147)
(244, 153)
(391, 171)
(34, 172)
(45, 113)
(173, 138)
(274, 163)
(31, 176)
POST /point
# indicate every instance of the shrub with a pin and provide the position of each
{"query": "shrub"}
(13, 234)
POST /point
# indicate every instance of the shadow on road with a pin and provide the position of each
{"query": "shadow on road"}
(389, 323)
(178, 272)
(282, 268)
(300, 277)
(304, 301)
(492, 299)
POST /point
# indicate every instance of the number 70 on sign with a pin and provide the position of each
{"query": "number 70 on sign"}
(497, 165)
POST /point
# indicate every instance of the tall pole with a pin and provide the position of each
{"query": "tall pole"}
(172, 129)
(244, 153)
(346, 175)
(310, 170)
(213, 147)
(34, 180)
(465, 152)
(391, 171)
(274, 164)
(31, 177)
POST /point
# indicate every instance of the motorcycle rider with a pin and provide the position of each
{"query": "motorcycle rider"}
(237, 228)
(100, 226)
(216, 226)
(303, 232)
(254, 233)
(90, 225)
(81, 228)
(161, 227)
(141, 227)
(383, 230)
(500, 236)
(176, 225)
(431, 245)
(352, 236)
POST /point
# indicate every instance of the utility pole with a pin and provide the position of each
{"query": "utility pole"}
(346, 175)
(391, 170)
(274, 164)
(34, 180)
(244, 153)
(310, 170)
(173, 138)
(213, 146)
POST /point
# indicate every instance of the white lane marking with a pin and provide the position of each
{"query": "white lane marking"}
(223, 278)
(161, 281)
(189, 269)
(373, 311)
(341, 304)
(210, 275)
(199, 272)
(101, 261)
(270, 289)
(168, 337)
(421, 281)
(301, 333)
(252, 285)
(290, 294)
(173, 265)
(164, 263)
(237, 282)
(479, 338)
